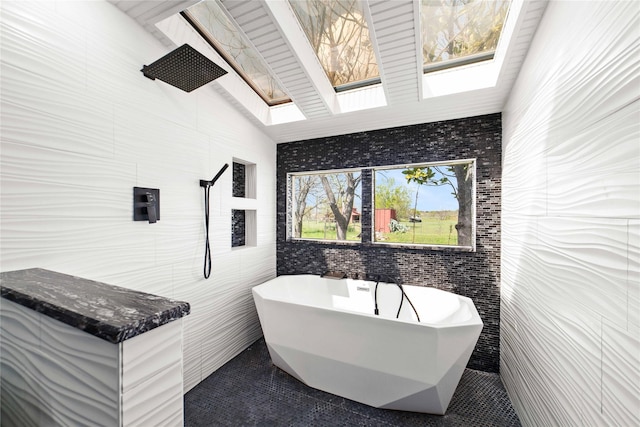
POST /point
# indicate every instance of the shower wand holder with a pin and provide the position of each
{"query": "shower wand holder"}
(207, 184)
(207, 248)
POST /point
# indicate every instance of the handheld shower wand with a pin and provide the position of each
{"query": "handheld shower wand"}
(207, 248)
(207, 184)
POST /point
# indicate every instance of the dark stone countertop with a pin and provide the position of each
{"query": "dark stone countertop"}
(109, 312)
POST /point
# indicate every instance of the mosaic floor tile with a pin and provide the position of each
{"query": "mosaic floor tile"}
(250, 391)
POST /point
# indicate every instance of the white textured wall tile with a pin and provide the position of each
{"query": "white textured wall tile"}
(150, 354)
(584, 263)
(150, 279)
(128, 88)
(73, 368)
(589, 75)
(620, 376)
(572, 377)
(189, 285)
(116, 58)
(604, 177)
(633, 279)
(519, 236)
(78, 128)
(76, 186)
(563, 386)
(82, 247)
(525, 191)
(19, 341)
(41, 46)
(265, 229)
(219, 234)
(81, 126)
(155, 141)
(178, 241)
(155, 402)
(192, 349)
(192, 361)
(152, 377)
(570, 238)
(232, 314)
(50, 367)
(257, 264)
(88, 356)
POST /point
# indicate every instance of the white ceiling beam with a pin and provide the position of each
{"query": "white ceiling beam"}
(152, 12)
(394, 24)
(288, 25)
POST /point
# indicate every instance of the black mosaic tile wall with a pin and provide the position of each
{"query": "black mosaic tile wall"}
(472, 274)
(239, 171)
(238, 228)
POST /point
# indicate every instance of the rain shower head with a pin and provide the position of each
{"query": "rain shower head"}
(184, 68)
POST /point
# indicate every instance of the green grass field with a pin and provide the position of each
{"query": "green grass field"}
(433, 230)
(430, 231)
(327, 230)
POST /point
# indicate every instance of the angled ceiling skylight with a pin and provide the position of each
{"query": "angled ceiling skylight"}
(339, 35)
(209, 19)
(460, 32)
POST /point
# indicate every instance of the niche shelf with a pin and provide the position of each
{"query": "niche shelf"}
(243, 212)
(243, 228)
(244, 179)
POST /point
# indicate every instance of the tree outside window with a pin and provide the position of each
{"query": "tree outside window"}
(430, 204)
(326, 206)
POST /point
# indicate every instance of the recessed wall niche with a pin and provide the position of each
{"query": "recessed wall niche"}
(243, 213)
(244, 179)
(243, 228)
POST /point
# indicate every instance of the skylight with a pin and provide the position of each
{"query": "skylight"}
(460, 32)
(338, 33)
(209, 19)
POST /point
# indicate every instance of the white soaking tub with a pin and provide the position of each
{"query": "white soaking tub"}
(324, 332)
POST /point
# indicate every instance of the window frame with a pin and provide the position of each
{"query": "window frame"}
(291, 202)
(458, 60)
(291, 198)
(192, 20)
(365, 81)
(464, 248)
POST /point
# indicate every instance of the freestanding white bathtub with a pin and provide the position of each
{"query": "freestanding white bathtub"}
(324, 332)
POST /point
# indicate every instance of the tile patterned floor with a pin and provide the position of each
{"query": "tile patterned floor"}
(251, 391)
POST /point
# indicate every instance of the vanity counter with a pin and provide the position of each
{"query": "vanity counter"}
(81, 352)
(106, 311)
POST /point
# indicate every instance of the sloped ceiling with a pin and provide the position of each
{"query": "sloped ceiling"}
(394, 25)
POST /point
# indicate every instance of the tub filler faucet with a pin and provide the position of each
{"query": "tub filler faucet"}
(402, 297)
(334, 275)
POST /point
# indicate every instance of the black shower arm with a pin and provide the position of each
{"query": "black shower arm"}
(206, 184)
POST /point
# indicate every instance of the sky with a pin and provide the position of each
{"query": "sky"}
(430, 198)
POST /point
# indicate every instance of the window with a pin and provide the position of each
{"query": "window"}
(338, 33)
(209, 19)
(426, 204)
(326, 205)
(460, 32)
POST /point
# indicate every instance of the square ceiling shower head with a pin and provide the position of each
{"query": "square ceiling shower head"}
(184, 68)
